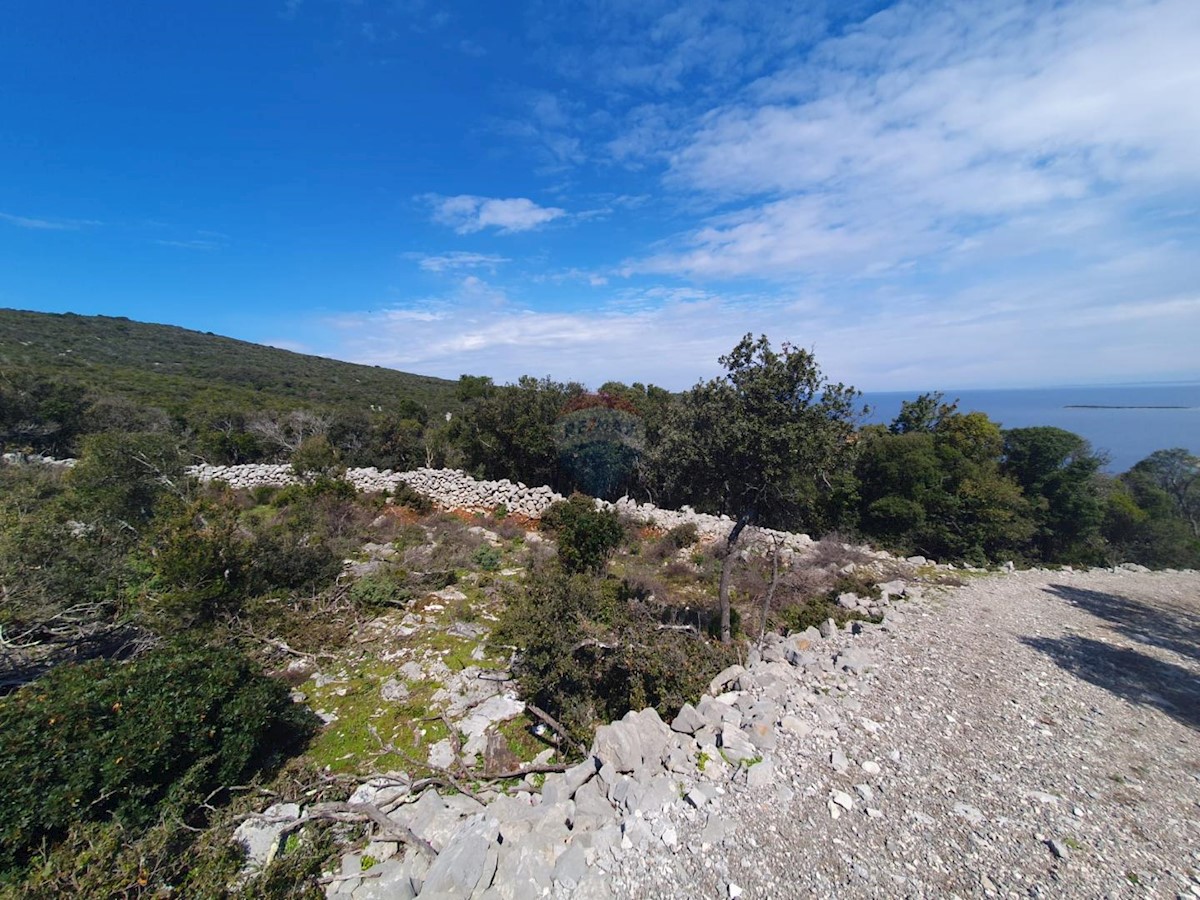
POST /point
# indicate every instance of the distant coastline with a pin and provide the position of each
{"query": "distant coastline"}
(1121, 406)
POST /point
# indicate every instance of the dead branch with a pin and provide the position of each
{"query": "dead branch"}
(387, 830)
(556, 726)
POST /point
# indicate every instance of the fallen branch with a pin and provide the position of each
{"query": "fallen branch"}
(556, 726)
(387, 830)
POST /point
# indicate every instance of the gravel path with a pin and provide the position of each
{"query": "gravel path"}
(1034, 734)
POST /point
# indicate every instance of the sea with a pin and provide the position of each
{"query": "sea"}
(1126, 423)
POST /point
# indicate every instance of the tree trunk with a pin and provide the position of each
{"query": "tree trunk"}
(727, 572)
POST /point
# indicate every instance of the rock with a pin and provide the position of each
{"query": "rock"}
(795, 725)
(393, 690)
(497, 756)
(592, 810)
(495, 709)
(688, 721)
(762, 735)
(848, 601)
(871, 768)
(724, 678)
(760, 775)
(1058, 848)
(735, 745)
(854, 659)
(579, 775)
(842, 799)
(464, 864)
(571, 868)
(840, 763)
(441, 754)
(619, 745)
(260, 836)
(828, 628)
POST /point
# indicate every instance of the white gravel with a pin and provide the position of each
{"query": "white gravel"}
(1028, 735)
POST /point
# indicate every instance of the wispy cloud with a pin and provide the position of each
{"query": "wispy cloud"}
(467, 214)
(455, 260)
(40, 224)
(925, 126)
(198, 244)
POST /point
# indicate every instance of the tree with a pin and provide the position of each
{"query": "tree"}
(1176, 472)
(510, 431)
(765, 443)
(922, 414)
(932, 484)
(1057, 471)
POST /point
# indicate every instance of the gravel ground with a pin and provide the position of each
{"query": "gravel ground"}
(1034, 734)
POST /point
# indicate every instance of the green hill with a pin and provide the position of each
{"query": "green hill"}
(177, 369)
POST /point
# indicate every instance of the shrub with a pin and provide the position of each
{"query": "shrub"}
(380, 590)
(675, 540)
(586, 536)
(405, 496)
(590, 649)
(133, 741)
(488, 558)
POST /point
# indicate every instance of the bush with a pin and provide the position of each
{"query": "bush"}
(405, 496)
(586, 536)
(488, 558)
(133, 741)
(380, 590)
(675, 540)
(590, 649)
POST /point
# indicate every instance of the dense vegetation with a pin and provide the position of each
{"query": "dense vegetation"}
(186, 596)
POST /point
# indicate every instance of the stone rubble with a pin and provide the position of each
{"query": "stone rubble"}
(641, 783)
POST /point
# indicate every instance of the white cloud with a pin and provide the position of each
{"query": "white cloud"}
(455, 260)
(47, 224)
(1013, 329)
(190, 245)
(467, 214)
(934, 122)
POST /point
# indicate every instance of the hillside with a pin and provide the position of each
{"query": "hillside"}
(175, 368)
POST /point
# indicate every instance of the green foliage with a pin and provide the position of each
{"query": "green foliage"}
(378, 591)
(317, 457)
(586, 536)
(922, 415)
(49, 562)
(133, 741)
(763, 442)
(591, 649)
(192, 373)
(933, 485)
(405, 496)
(1151, 513)
(675, 540)
(1059, 475)
(1176, 473)
(121, 477)
(510, 431)
(487, 558)
(598, 447)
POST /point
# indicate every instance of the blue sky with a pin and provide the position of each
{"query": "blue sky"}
(928, 195)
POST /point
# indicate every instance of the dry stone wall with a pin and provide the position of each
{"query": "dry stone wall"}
(455, 489)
